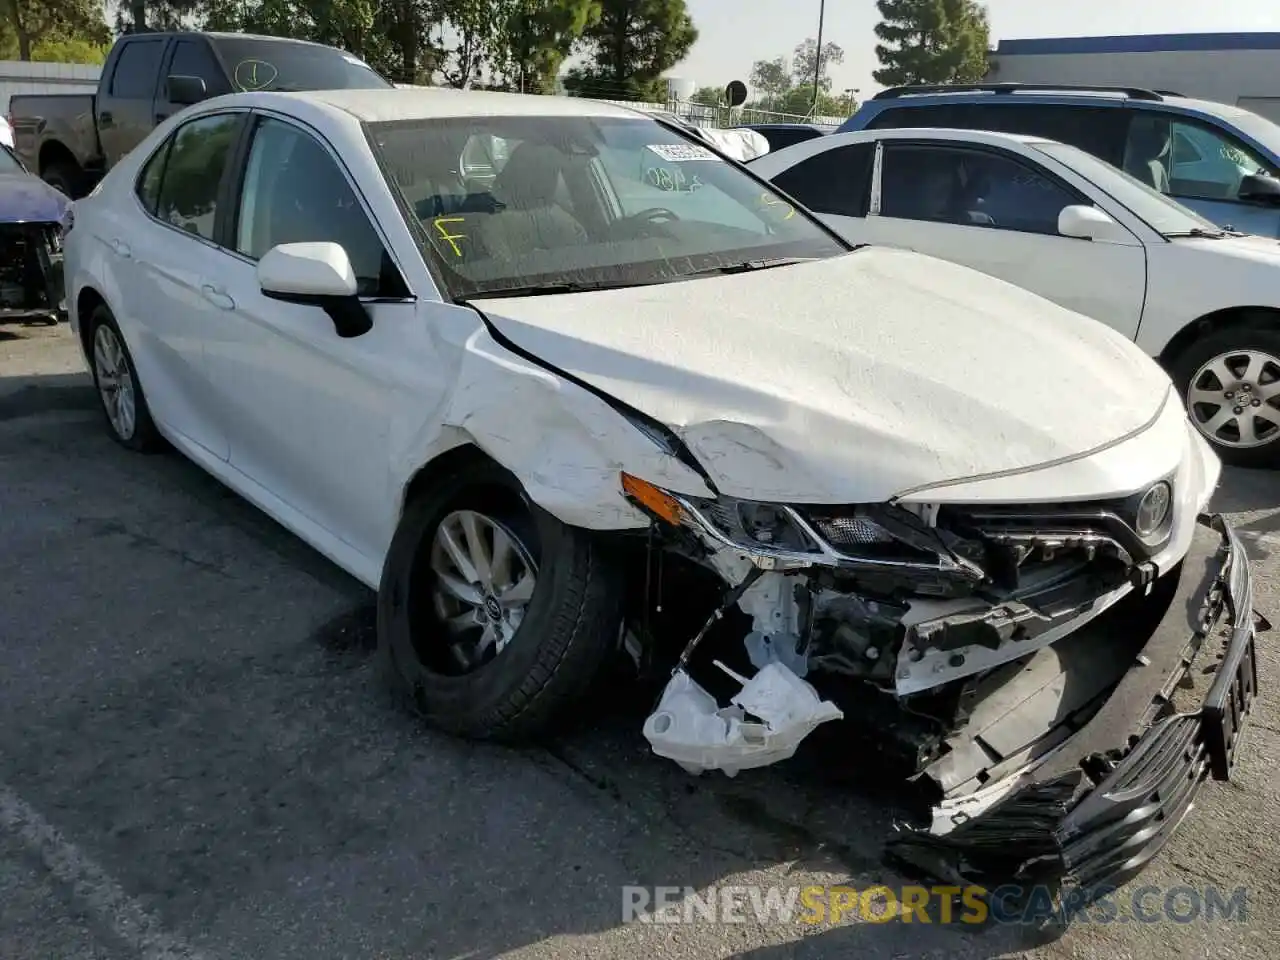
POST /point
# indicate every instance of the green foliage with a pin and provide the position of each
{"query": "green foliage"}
(708, 96)
(630, 47)
(52, 30)
(931, 41)
(787, 87)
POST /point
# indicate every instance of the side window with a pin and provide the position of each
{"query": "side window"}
(198, 155)
(834, 182)
(294, 192)
(971, 188)
(193, 58)
(136, 70)
(148, 185)
(1099, 131)
(955, 115)
(1188, 159)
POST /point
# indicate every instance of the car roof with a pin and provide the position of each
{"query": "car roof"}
(1066, 95)
(391, 104)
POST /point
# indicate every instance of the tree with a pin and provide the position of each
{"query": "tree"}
(535, 37)
(708, 96)
(804, 63)
(772, 78)
(629, 48)
(931, 41)
(48, 25)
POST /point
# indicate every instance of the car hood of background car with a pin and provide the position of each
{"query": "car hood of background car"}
(28, 199)
(850, 379)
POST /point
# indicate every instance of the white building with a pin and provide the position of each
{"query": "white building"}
(1242, 69)
(17, 76)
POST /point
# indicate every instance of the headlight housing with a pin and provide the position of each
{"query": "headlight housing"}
(779, 536)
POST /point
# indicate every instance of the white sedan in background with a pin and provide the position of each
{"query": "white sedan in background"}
(612, 366)
(1070, 227)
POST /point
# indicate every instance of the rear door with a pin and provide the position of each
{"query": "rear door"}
(836, 185)
(126, 101)
(997, 212)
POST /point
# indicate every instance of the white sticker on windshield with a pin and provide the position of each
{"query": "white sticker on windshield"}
(679, 152)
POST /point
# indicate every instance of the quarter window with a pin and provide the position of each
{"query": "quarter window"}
(294, 192)
(834, 182)
(972, 188)
(136, 70)
(148, 187)
(188, 196)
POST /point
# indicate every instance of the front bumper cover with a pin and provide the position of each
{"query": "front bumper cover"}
(1095, 811)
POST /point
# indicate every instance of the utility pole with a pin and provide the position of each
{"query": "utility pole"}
(817, 69)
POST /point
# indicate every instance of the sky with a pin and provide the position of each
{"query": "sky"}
(735, 33)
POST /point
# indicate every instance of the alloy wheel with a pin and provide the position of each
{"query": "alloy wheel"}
(484, 581)
(115, 382)
(1233, 399)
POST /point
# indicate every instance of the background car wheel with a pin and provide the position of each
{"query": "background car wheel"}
(1230, 382)
(116, 380)
(65, 178)
(494, 618)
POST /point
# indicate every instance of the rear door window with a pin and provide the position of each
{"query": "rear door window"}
(197, 161)
(835, 182)
(1188, 159)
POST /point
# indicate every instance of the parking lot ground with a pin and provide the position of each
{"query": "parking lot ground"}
(197, 760)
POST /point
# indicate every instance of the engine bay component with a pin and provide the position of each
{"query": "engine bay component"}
(30, 271)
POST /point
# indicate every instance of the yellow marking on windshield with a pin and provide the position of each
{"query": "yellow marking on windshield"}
(251, 75)
(441, 225)
(771, 201)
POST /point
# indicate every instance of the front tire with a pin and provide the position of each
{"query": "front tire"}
(494, 618)
(1230, 383)
(119, 391)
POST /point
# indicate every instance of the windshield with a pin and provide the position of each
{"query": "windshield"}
(1160, 213)
(283, 65)
(8, 162)
(512, 202)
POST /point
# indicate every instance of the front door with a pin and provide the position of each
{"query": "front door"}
(1202, 166)
(126, 108)
(998, 213)
(312, 415)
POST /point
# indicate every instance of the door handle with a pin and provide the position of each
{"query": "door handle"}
(217, 297)
(121, 249)
(104, 118)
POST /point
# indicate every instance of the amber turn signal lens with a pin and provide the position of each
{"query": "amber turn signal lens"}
(656, 501)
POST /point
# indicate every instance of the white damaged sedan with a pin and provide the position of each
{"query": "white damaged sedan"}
(588, 403)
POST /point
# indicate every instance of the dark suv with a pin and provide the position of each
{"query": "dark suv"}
(1196, 151)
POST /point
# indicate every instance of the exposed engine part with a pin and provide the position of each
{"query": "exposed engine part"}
(30, 271)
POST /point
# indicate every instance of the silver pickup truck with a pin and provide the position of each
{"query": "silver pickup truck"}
(72, 139)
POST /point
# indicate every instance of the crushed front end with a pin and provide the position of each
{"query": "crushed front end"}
(31, 286)
(1025, 664)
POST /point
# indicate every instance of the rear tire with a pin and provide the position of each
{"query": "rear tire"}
(566, 633)
(65, 177)
(124, 405)
(1234, 369)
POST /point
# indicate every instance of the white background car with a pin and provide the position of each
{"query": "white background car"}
(1063, 224)
(490, 399)
(6, 133)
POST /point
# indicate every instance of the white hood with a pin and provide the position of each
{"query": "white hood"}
(851, 379)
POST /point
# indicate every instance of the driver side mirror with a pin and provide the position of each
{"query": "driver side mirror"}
(1089, 223)
(1262, 190)
(318, 275)
(184, 91)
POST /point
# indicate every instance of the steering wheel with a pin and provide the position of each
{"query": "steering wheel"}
(652, 215)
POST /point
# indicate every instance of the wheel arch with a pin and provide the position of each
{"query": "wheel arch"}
(87, 301)
(1240, 316)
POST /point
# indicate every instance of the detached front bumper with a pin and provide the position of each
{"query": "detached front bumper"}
(1096, 810)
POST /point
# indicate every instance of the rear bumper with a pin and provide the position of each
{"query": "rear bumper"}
(1095, 811)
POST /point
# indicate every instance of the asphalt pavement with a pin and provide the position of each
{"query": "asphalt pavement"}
(197, 760)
